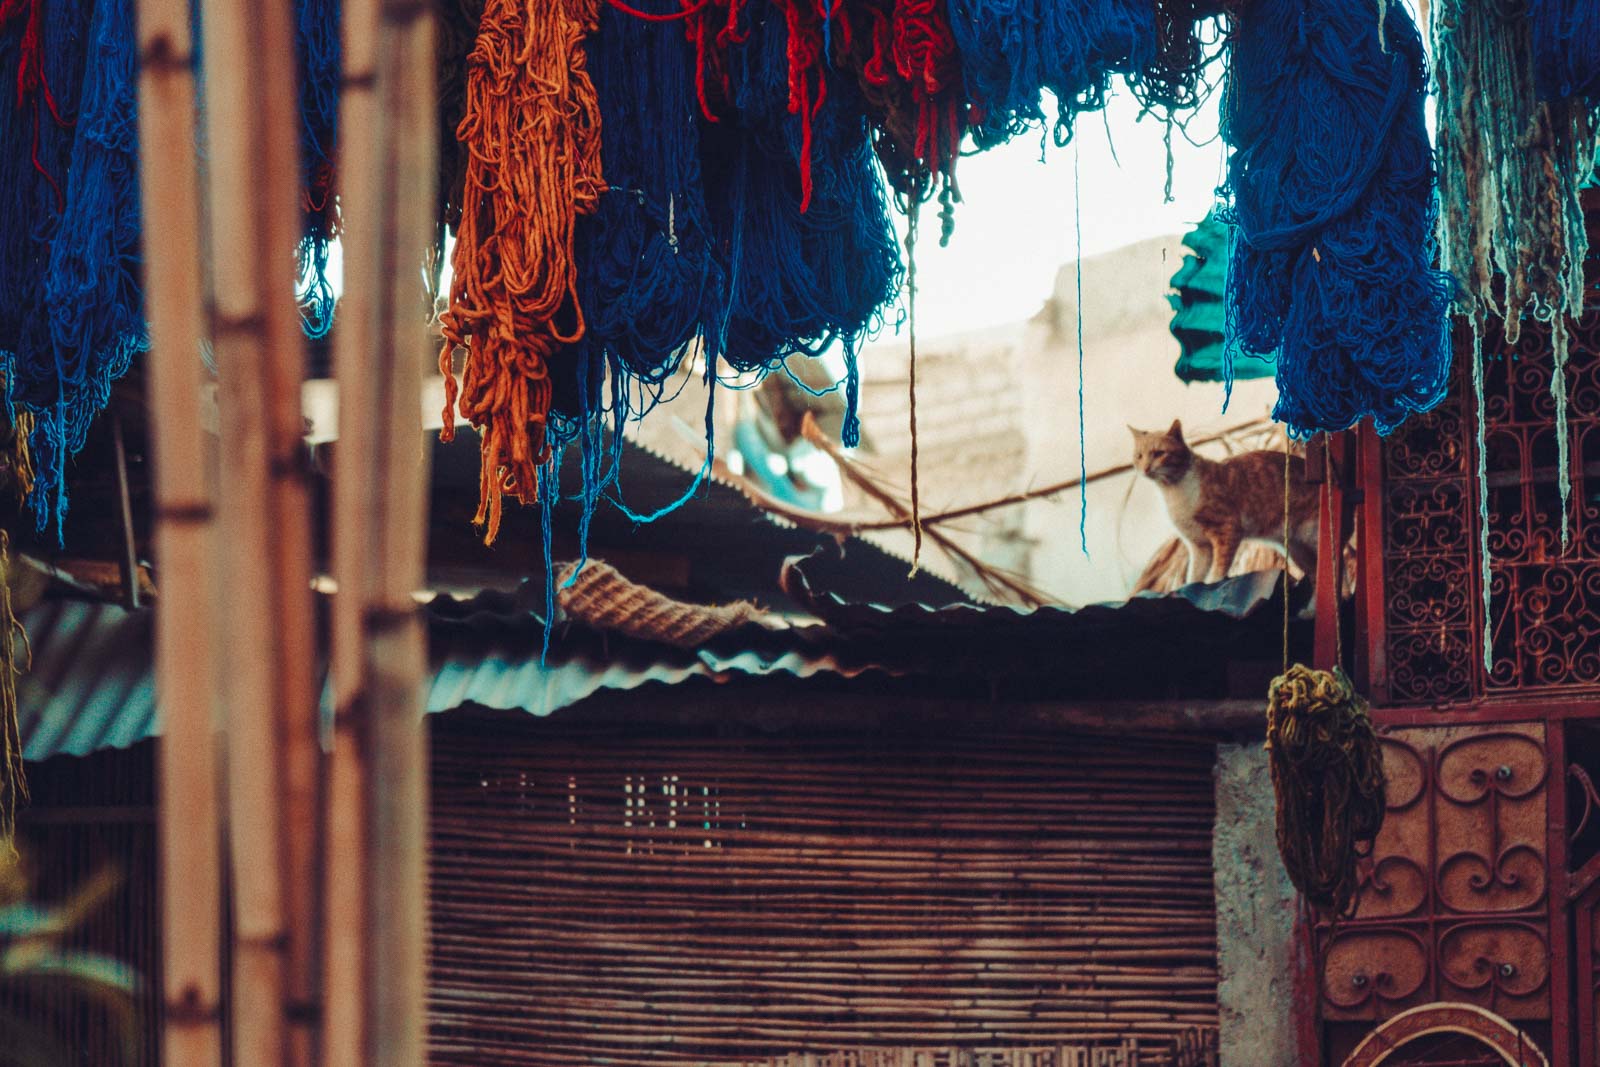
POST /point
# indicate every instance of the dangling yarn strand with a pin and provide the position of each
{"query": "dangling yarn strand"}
(1485, 578)
(1331, 180)
(911, 310)
(13, 775)
(1511, 165)
(532, 133)
(318, 47)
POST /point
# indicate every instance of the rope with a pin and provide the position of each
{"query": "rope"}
(1331, 188)
(1327, 774)
(13, 780)
(911, 301)
(532, 135)
(1480, 444)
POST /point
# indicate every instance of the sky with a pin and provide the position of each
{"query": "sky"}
(1015, 226)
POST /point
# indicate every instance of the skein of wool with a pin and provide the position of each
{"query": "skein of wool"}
(1566, 48)
(456, 25)
(92, 289)
(798, 281)
(1013, 50)
(904, 56)
(532, 135)
(46, 46)
(1331, 180)
(318, 52)
(1327, 773)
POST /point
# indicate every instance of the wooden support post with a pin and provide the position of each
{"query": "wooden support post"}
(396, 653)
(355, 486)
(191, 862)
(265, 617)
(377, 817)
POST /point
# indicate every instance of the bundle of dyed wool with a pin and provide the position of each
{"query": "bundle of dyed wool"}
(1566, 48)
(1511, 165)
(532, 135)
(318, 54)
(456, 28)
(1014, 50)
(42, 58)
(799, 278)
(1327, 773)
(1331, 180)
(904, 56)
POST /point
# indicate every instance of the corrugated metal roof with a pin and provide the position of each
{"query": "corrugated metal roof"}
(90, 685)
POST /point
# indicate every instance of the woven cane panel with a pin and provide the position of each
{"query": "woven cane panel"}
(614, 897)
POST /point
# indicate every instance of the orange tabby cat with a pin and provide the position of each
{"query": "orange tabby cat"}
(1219, 504)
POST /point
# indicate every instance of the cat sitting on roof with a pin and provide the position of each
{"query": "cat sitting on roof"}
(1217, 505)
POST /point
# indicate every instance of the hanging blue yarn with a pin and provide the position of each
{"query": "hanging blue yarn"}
(92, 290)
(36, 201)
(1331, 180)
(1013, 50)
(798, 281)
(318, 53)
(1566, 48)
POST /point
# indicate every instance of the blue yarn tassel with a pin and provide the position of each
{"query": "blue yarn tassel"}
(1331, 180)
(1566, 48)
(92, 289)
(1013, 50)
(317, 46)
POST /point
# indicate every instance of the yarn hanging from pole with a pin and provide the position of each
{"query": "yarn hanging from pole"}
(42, 56)
(318, 52)
(1331, 185)
(1511, 166)
(1566, 48)
(456, 27)
(904, 56)
(1014, 50)
(532, 134)
(1327, 774)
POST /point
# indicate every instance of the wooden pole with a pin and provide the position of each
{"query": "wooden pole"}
(253, 176)
(355, 348)
(190, 835)
(396, 650)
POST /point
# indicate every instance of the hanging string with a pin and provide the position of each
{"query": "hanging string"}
(1331, 188)
(911, 300)
(1286, 500)
(1511, 165)
(13, 774)
(456, 28)
(1480, 447)
(1083, 450)
(532, 133)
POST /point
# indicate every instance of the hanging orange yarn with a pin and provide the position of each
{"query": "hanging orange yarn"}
(531, 131)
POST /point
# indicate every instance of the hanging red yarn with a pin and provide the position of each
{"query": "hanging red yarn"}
(905, 58)
(30, 75)
(532, 136)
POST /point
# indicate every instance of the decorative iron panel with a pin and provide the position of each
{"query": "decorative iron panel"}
(1454, 903)
(1543, 595)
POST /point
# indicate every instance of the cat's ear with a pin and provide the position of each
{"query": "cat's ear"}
(1137, 433)
(1176, 430)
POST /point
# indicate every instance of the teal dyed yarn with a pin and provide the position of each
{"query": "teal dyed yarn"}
(1331, 188)
(318, 54)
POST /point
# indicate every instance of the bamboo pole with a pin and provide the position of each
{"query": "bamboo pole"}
(396, 639)
(252, 182)
(190, 835)
(345, 964)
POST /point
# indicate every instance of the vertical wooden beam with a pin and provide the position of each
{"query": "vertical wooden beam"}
(190, 836)
(355, 483)
(396, 652)
(253, 180)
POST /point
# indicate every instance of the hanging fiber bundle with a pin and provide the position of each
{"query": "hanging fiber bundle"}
(903, 54)
(92, 289)
(1014, 50)
(456, 28)
(1327, 773)
(1566, 48)
(42, 54)
(532, 134)
(798, 279)
(317, 46)
(13, 774)
(1331, 180)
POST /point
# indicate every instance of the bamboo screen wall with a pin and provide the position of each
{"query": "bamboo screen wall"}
(650, 897)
